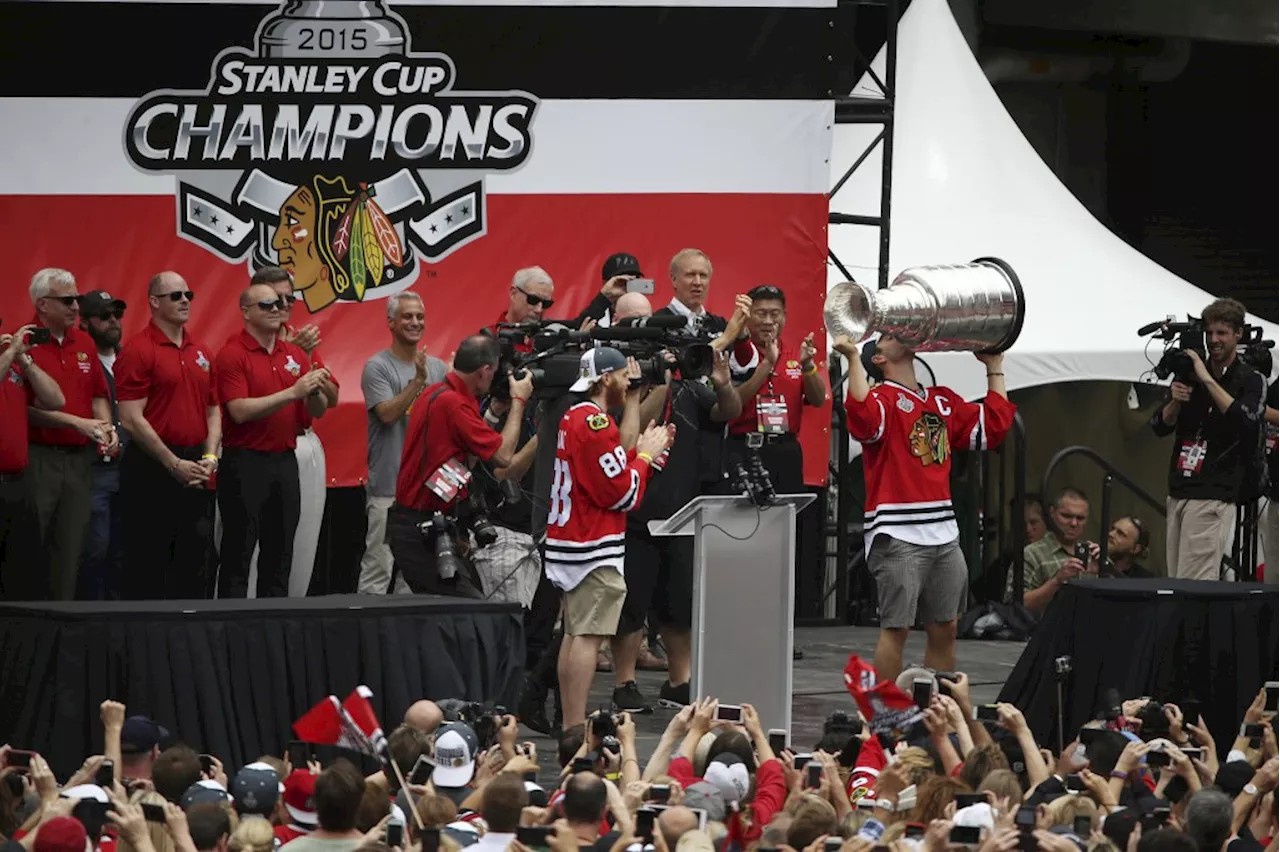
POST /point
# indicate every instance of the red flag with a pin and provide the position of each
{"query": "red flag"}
(360, 724)
(351, 724)
(321, 724)
(887, 709)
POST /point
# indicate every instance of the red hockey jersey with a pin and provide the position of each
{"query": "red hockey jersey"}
(594, 484)
(907, 439)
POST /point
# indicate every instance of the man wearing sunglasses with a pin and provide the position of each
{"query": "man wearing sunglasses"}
(63, 443)
(531, 294)
(101, 315)
(263, 383)
(309, 449)
(164, 381)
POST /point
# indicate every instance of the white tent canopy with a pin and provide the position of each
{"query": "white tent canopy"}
(967, 184)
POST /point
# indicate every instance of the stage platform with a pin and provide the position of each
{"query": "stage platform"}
(230, 676)
(1170, 639)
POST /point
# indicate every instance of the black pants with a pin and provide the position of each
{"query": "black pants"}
(167, 529)
(259, 498)
(23, 574)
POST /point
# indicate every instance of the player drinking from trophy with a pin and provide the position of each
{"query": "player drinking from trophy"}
(908, 433)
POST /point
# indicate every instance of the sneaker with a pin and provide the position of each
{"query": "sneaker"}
(532, 710)
(627, 699)
(675, 697)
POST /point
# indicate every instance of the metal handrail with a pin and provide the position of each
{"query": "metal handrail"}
(1113, 474)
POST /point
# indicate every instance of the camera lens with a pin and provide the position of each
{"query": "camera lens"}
(484, 531)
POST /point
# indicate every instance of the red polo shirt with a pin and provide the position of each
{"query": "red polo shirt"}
(15, 396)
(448, 426)
(304, 416)
(525, 346)
(786, 381)
(176, 382)
(74, 365)
(244, 370)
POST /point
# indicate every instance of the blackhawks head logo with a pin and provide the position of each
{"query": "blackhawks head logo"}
(929, 439)
(332, 150)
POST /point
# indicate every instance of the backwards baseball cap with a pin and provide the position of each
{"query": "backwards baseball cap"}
(455, 755)
(256, 789)
(139, 733)
(1233, 775)
(97, 303)
(728, 774)
(596, 363)
(706, 796)
(300, 797)
(620, 264)
(204, 792)
(61, 834)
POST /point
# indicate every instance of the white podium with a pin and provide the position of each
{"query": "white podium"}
(743, 599)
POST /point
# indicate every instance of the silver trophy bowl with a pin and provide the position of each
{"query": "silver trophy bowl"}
(968, 307)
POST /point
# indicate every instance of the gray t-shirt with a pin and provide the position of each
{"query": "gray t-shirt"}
(384, 377)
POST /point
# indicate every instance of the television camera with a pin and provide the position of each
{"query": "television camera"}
(550, 351)
(1182, 336)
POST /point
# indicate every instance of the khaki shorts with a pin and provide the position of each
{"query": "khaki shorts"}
(593, 607)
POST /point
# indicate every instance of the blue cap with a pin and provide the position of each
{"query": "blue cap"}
(140, 734)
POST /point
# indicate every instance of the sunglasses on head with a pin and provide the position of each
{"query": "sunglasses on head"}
(66, 300)
(534, 301)
(277, 305)
(179, 295)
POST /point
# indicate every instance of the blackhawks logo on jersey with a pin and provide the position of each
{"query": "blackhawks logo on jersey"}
(929, 439)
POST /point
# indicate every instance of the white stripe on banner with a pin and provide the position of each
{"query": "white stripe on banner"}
(714, 4)
(73, 146)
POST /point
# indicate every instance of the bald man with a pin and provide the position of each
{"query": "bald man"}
(631, 305)
(675, 822)
(265, 386)
(424, 715)
(164, 384)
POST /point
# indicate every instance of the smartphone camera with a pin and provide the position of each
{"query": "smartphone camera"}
(105, 777)
(914, 831)
(922, 691)
(660, 793)
(1025, 819)
(965, 835)
(729, 713)
(813, 777)
(535, 836)
(986, 713)
(832, 844)
(778, 741)
(395, 833)
(645, 818)
(1075, 783)
(1082, 827)
(422, 771)
(1273, 696)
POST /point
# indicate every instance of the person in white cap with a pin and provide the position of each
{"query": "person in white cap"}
(595, 482)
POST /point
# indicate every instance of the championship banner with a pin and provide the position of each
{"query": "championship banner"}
(371, 148)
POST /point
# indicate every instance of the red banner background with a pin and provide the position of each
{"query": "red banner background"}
(117, 243)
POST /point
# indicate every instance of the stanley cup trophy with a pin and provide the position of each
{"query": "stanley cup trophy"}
(355, 29)
(971, 307)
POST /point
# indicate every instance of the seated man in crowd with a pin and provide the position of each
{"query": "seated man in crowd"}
(1053, 560)
(1128, 541)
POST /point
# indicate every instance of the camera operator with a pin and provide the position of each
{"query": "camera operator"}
(445, 428)
(1268, 521)
(1215, 414)
(596, 482)
(661, 569)
(618, 269)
